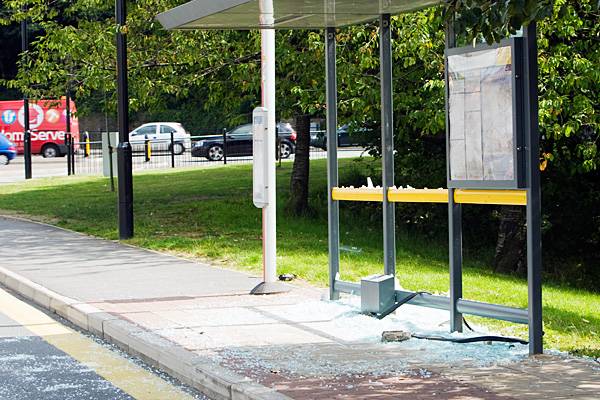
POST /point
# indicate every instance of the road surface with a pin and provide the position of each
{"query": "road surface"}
(41, 358)
(50, 167)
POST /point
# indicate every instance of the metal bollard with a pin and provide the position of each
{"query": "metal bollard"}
(172, 150)
(278, 144)
(72, 155)
(147, 149)
(225, 146)
(68, 146)
(88, 148)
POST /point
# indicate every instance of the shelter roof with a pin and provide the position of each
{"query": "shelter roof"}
(287, 14)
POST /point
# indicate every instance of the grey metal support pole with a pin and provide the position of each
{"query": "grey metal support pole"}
(225, 146)
(455, 256)
(68, 132)
(26, 128)
(387, 144)
(534, 206)
(172, 150)
(72, 155)
(68, 140)
(454, 221)
(333, 207)
(124, 151)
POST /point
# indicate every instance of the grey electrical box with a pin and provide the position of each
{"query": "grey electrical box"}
(377, 293)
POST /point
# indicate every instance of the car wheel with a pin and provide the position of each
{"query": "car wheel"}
(285, 150)
(50, 151)
(4, 159)
(178, 149)
(215, 153)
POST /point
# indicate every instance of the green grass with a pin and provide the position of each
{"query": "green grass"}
(208, 214)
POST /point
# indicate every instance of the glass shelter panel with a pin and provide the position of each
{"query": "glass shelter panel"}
(482, 129)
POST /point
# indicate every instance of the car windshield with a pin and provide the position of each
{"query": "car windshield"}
(145, 130)
(284, 128)
(242, 130)
(167, 129)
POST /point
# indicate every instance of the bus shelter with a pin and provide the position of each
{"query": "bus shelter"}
(492, 141)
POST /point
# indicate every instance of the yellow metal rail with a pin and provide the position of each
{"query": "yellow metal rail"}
(357, 194)
(501, 197)
(418, 195)
(462, 196)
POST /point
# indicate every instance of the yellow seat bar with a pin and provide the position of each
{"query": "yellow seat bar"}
(500, 197)
(418, 195)
(357, 194)
(462, 196)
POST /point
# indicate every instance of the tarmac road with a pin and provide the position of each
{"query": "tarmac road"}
(41, 168)
(50, 167)
(43, 359)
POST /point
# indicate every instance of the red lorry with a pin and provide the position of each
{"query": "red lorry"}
(47, 123)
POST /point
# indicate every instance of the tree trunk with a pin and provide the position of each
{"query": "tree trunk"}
(298, 201)
(511, 245)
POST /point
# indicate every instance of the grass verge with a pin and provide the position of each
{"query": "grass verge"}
(208, 214)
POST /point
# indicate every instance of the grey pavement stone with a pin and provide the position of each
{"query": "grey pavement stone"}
(49, 255)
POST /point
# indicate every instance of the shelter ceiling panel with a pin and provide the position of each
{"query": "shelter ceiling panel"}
(287, 14)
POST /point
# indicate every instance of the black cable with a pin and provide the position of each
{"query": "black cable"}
(467, 325)
(471, 339)
(398, 304)
(446, 339)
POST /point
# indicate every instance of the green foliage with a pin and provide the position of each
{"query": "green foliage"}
(494, 19)
(569, 82)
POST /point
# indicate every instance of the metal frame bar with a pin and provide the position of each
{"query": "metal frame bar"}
(461, 196)
(534, 234)
(455, 260)
(454, 214)
(464, 306)
(333, 207)
(387, 144)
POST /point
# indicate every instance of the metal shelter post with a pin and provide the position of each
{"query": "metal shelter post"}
(26, 129)
(454, 220)
(268, 101)
(124, 151)
(455, 257)
(333, 206)
(534, 234)
(387, 144)
(270, 284)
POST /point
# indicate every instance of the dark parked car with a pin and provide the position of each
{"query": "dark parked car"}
(239, 143)
(8, 151)
(346, 137)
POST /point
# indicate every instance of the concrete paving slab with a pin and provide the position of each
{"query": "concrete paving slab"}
(150, 320)
(66, 262)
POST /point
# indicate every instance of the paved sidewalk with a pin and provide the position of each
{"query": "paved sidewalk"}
(198, 323)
